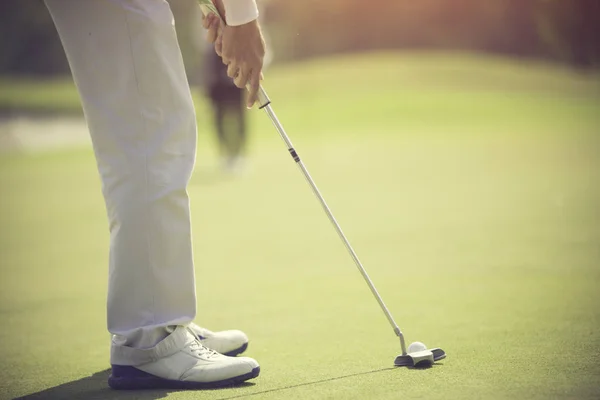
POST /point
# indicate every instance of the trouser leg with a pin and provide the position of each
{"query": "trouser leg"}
(127, 66)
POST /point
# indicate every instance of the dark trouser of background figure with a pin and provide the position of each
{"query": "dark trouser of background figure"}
(228, 102)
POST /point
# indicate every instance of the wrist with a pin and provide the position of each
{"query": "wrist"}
(240, 12)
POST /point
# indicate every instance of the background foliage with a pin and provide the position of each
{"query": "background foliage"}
(565, 30)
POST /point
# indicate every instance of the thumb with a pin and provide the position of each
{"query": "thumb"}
(221, 8)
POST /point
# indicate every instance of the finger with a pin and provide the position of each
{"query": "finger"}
(213, 30)
(205, 21)
(242, 78)
(232, 70)
(211, 36)
(208, 20)
(253, 86)
(220, 8)
(219, 48)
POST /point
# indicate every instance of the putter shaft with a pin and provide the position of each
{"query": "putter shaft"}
(265, 104)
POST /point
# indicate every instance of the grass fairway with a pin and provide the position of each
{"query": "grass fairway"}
(468, 186)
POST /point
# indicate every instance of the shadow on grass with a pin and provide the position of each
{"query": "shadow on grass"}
(337, 378)
(95, 387)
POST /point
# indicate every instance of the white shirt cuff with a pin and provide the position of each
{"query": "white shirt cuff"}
(240, 12)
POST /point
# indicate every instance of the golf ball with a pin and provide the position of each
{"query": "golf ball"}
(416, 346)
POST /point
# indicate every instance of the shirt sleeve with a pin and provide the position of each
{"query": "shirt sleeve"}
(240, 12)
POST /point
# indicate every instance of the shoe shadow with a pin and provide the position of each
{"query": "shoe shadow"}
(283, 388)
(95, 387)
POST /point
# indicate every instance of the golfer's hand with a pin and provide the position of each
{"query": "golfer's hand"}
(213, 24)
(242, 49)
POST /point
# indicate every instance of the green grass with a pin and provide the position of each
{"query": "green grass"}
(468, 186)
(21, 94)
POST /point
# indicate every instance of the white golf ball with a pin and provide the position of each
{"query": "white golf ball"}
(416, 346)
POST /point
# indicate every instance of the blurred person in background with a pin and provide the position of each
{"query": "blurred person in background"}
(229, 114)
(128, 69)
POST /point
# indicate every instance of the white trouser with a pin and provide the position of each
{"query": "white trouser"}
(127, 66)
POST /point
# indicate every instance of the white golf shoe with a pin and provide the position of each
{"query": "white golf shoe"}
(184, 362)
(229, 343)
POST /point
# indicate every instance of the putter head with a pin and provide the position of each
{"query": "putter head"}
(420, 359)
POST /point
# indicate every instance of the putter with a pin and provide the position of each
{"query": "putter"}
(422, 358)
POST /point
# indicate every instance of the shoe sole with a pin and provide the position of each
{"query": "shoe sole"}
(131, 378)
(237, 351)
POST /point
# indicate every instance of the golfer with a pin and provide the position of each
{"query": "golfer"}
(128, 69)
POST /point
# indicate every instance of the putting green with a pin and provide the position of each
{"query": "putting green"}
(468, 186)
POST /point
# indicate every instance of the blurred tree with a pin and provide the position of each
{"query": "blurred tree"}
(567, 30)
(29, 44)
(523, 38)
(571, 30)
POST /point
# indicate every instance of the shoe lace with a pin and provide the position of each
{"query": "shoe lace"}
(199, 349)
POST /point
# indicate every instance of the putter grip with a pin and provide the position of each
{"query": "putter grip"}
(208, 7)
